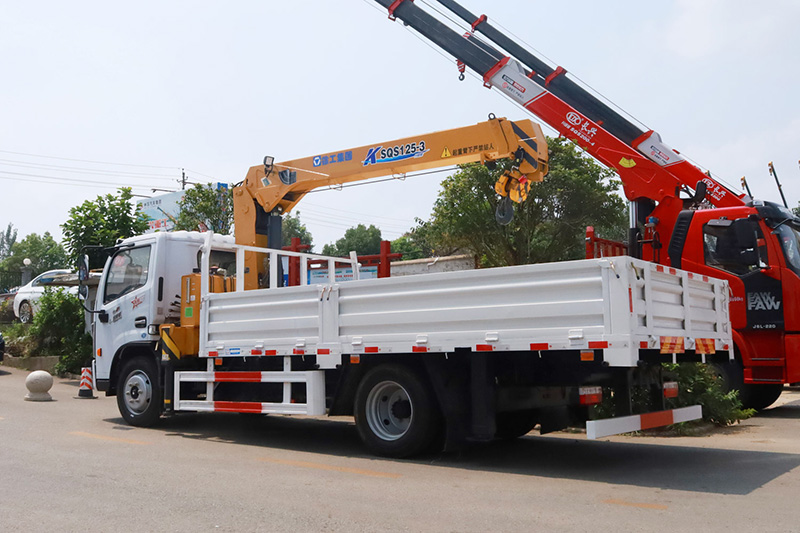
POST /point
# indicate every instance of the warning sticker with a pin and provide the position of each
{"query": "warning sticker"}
(446, 153)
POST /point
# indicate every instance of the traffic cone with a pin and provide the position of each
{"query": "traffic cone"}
(87, 384)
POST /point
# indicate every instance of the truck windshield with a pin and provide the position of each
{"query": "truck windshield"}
(790, 243)
(127, 273)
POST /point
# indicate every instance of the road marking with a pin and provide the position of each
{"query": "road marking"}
(104, 437)
(320, 466)
(653, 506)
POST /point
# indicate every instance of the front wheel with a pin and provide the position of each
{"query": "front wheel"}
(138, 392)
(395, 411)
(756, 397)
(759, 397)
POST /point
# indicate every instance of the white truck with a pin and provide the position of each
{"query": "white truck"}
(420, 361)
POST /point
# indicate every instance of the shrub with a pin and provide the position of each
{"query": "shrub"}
(7, 311)
(19, 342)
(59, 329)
(700, 385)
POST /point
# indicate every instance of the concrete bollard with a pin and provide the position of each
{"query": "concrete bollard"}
(39, 383)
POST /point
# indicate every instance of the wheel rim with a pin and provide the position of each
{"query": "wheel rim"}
(25, 312)
(389, 411)
(138, 392)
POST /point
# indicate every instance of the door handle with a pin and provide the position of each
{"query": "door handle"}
(140, 322)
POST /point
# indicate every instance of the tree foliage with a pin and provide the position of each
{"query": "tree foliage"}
(206, 207)
(101, 222)
(7, 240)
(416, 243)
(43, 251)
(549, 226)
(293, 227)
(361, 239)
(59, 329)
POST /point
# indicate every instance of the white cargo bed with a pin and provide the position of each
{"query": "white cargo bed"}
(619, 305)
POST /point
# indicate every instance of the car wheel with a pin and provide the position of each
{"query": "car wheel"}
(25, 313)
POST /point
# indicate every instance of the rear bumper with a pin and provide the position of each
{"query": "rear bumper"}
(596, 429)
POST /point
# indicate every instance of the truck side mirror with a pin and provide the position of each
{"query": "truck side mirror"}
(83, 268)
(83, 291)
(745, 232)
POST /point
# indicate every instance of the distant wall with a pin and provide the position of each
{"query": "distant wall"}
(433, 264)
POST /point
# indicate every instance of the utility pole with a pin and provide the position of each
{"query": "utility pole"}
(183, 179)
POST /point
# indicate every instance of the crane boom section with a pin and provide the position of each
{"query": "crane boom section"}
(278, 189)
(648, 167)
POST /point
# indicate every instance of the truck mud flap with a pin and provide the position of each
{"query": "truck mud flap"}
(596, 429)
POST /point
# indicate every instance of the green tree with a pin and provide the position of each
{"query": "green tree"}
(7, 240)
(364, 240)
(101, 222)
(549, 226)
(59, 329)
(293, 227)
(43, 251)
(416, 243)
(206, 207)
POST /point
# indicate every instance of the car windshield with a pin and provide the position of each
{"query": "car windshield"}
(790, 243)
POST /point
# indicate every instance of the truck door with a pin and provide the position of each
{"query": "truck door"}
(125, 304)
(737, 247)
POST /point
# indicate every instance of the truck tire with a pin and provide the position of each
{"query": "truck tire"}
(513, 424)
(756, 397)
(138, 392)
(395, 411)
(759, 397)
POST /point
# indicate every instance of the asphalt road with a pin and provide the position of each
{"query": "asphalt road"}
(72, 465)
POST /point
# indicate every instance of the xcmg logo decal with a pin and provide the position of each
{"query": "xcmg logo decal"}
(399, 152)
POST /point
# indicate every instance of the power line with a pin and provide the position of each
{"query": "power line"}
(367, 215)
(88, 160)
(77, 170)
(63, 181)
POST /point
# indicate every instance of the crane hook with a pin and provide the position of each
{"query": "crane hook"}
(504, 213)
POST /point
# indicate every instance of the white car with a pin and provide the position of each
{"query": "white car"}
(27, 297)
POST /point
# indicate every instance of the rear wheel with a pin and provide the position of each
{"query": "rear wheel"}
(25, 313)
(138, 392)
(395, 411)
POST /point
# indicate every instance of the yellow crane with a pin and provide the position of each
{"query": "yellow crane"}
(271, 189)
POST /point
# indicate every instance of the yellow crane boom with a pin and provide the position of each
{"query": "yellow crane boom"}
(272, 189)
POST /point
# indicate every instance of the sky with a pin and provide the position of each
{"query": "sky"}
(98, 95)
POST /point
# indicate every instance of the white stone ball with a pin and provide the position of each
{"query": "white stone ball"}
(38, 383)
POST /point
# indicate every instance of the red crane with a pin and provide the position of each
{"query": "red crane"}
(680, 216)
